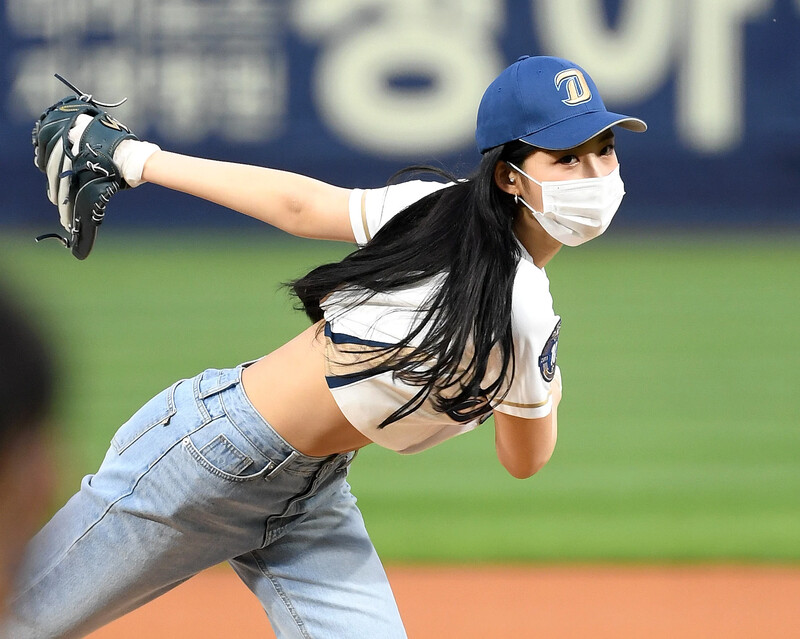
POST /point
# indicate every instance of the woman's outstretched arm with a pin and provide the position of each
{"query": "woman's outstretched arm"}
(294, 203)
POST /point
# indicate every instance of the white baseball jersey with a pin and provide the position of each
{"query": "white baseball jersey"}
(353, 329)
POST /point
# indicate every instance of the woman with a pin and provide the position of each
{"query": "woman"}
(443, 317)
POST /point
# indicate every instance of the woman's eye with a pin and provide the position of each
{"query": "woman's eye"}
(568, 159)
(608, 149)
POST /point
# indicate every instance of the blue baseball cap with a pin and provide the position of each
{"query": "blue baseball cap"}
(548, 102)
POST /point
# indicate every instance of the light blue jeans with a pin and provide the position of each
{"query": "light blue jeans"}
(194, 478)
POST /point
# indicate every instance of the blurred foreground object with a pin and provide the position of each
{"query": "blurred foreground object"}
(26, 393)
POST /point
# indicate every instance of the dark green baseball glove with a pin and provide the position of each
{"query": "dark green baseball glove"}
(81, 174)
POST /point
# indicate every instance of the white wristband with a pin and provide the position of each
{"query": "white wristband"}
(130, 157)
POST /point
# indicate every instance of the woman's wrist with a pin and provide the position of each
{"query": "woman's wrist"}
(130, 157)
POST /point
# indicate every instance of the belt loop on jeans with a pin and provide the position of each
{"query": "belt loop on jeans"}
(198, 399)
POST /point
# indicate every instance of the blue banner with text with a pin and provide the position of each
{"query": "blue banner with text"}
(349, 91)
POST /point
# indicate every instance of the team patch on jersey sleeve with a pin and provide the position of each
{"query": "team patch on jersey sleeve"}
(547, 360)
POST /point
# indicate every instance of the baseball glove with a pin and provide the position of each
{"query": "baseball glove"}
(74, 142)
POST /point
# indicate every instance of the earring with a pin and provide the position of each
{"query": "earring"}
(511, 180)
(516, 198)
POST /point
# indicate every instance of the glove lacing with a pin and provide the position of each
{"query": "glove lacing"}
(87, 97)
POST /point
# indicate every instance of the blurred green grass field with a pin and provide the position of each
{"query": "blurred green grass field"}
(679, 436)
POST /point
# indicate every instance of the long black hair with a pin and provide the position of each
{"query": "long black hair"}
(465, 233)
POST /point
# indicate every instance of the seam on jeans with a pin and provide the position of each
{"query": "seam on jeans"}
(270, 535)
(163, 420)
(284, 597)
(307, 494)
(105, 512)
(201, 406)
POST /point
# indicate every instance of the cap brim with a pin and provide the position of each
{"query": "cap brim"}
(567, 134)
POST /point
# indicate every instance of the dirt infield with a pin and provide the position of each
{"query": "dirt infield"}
(492, 602)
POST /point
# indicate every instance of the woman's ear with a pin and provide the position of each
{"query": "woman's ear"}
(506, 178)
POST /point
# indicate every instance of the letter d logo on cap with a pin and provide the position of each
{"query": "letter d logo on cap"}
(577, 88)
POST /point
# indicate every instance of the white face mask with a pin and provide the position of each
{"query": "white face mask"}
(575, 211)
